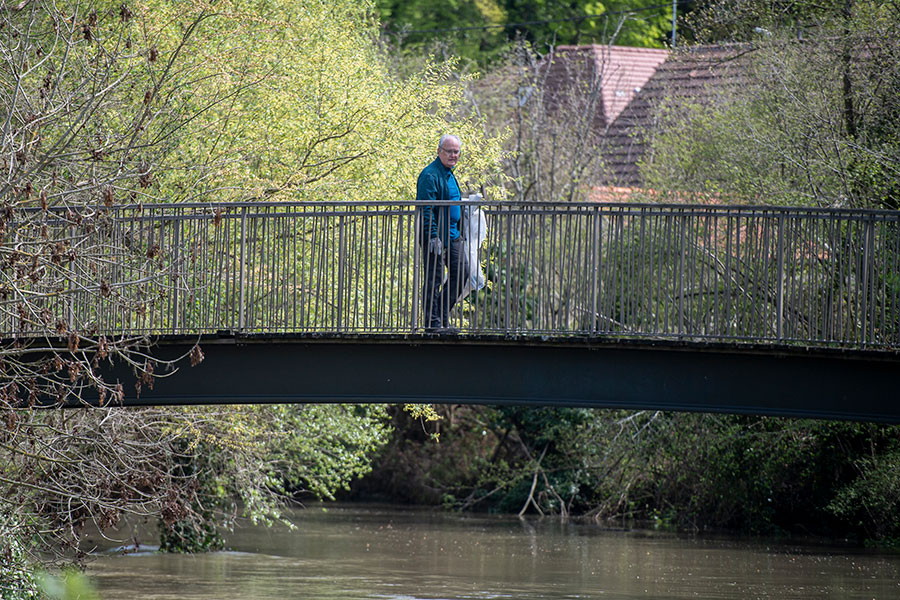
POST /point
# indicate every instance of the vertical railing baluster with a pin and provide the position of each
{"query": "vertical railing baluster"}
(243, 273)
(508, 275)
(342, 260)
(779, 282)
(680, 289)
(176, 268)
(868, 333)
(417, 267)
(71, 282)
(595, 268)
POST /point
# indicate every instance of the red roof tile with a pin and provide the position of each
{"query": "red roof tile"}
(624, 72)
(699, 75)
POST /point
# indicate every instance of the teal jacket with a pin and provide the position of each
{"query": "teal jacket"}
(432, 185)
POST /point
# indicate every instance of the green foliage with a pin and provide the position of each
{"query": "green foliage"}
(699, 151)
(407, 24)
(316, 113)
(762, 475)
(248, 458)
(489, 27)
(815, 122)
(17, 581)
(195, 528)
(70, 585)
(189, 537)
(759, 474)
(424, 413)
(871, 501)
(243, 99)
(713, 21)
(547, 478)
(322, 447)
(413, 468)
(539, 427)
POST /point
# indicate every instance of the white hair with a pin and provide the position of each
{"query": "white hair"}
(448, 136)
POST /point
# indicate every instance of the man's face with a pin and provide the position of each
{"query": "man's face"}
(449, 153)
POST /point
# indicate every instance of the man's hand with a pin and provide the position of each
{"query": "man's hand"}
(435, 246)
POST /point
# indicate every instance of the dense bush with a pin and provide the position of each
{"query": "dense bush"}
(695, 471)
(16, 579)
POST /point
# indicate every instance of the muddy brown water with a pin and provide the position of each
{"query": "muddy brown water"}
(352, 552)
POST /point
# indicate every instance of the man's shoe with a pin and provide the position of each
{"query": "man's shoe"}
(442, 330)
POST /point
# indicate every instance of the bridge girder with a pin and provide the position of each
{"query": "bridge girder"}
(574, 372)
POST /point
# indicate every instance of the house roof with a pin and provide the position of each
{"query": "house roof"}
(620, 71)
(630, 84)
(699, 75)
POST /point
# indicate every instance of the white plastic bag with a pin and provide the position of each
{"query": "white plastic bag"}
(476, 232)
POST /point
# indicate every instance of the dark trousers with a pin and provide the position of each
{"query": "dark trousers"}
(438, 299)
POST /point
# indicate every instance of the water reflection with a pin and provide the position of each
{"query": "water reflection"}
(368, 552)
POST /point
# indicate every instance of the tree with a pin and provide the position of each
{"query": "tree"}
(195, 469)
(815, 122)
(713, 21)
(642, 23)
(416, 26)
(482, 31)
(553, 147)
(108, 103)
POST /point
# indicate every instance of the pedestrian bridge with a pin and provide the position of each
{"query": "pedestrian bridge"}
(734, 309)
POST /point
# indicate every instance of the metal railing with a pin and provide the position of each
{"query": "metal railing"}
(745, 274)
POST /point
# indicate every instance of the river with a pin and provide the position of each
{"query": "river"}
(362, 552)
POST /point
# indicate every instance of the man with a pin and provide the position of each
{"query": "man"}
(442, 246)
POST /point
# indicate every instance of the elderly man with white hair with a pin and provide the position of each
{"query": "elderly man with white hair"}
(442, 246)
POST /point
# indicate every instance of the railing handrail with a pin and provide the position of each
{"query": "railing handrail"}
(631, 207)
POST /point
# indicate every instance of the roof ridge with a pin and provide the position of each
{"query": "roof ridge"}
(595, 47)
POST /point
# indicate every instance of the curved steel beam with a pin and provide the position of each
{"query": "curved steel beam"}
(580, 372)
